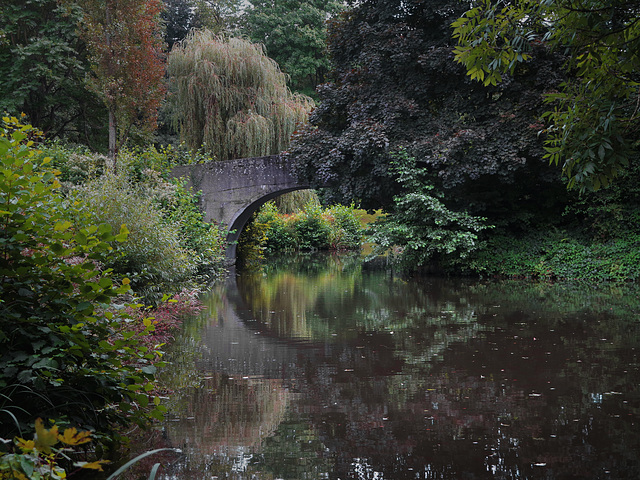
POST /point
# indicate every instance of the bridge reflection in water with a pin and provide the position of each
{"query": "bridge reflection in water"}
(334, 371)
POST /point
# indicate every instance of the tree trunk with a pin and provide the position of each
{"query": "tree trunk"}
(112, 139)
(112, 113)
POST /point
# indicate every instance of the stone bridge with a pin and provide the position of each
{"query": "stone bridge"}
(233, 189)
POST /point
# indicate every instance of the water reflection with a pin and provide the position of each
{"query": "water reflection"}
(324, 369)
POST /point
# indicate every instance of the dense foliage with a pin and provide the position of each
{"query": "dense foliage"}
(127, 70)
(593, 122)
(396, 84)
(65, 351)
(311, 228)
(421, 226)
(294, 34)
(230, 98)
(43, 65)
(169, 245)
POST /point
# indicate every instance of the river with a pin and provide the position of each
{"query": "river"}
(323, 367)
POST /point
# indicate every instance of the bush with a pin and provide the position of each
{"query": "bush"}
(152, 257)
(251, 244)
(311, 229)
(336, 228)
(279, 236)
(421, 226)
(63, 350)
(205, 241)
(561, 255)
(141, 176)
(346, 230)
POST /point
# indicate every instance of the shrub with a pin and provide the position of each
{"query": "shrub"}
(311, 228)
(336, 228)
(205, 241)
(63, 352)
(141, 176)
(561, 255)
(346, 230)
(251, 244)
(421, 225)
(279, 236)
(152, 257)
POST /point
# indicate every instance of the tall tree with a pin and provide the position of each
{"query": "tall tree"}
(217, 15)
(594, 120)
(230, 98)
(396, 85)
(43, 64)
(125, 45)
(294, 33)
(177, 16)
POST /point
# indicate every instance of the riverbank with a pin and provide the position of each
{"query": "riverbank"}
(561, 255)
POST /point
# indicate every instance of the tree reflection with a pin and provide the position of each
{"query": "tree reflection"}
(426, 379)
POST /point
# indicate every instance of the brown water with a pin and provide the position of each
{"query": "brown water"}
(324, 369)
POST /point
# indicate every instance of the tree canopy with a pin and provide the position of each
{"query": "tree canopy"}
(593, 117)
(396, 85)
(231, 98)
(43, 64)
(294, 33)
(125, 49)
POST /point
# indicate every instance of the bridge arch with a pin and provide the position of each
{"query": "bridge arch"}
(243, 216)
(232, 190)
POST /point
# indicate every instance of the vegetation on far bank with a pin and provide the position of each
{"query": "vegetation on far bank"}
(313, 227)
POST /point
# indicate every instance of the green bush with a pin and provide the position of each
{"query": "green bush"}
(561, 255)
(141, 176)
(421, 227)
(312, 230)
(336, 228)
(346, 231)
(251, 244)
(279, 236)
(205, 241)
(77, 165)
(64, 349)
(152, 257)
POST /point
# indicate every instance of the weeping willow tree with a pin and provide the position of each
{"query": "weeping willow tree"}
(230, 98)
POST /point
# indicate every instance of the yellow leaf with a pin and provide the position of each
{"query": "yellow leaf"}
(25, 445)
(97, 465)
(71, 436)
(45, 439)
(126, 281)
(62, 226)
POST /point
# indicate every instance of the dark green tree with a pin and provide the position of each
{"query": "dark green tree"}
(43, 65)
(178, 20)
(396, 84)
(294, 33)
(593, 122)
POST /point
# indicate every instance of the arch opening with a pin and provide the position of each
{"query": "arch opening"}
(243, 216)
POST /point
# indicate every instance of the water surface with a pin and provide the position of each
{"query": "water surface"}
(322, 368)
